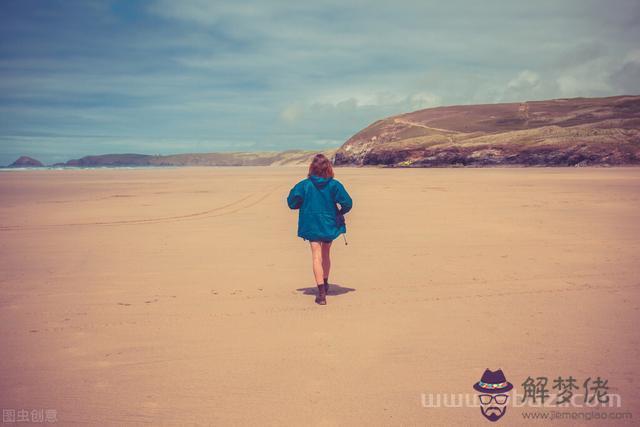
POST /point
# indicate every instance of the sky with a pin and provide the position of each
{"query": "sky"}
(166, 76)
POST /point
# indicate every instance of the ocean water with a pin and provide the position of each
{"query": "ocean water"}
(40, 168)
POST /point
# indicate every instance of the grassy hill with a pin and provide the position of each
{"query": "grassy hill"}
(560, 132)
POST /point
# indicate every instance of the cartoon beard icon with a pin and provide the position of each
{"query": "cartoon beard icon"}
(493, 413)
(494, 394)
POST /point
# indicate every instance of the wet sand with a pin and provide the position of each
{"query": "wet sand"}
(183, 296)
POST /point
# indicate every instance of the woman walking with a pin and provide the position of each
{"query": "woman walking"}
(320, 220)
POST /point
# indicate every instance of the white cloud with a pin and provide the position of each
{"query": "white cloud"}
(292, 113)
(526, 79)
(633, 57)
(626, 78)
(424, 100)
(370, 98)
(588, 79)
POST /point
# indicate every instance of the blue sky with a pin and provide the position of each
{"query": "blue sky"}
(167, 76)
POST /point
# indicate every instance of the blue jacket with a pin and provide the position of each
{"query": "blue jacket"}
(319, 218)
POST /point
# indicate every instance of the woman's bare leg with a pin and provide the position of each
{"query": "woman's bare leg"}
(316, 259)
(326, 259)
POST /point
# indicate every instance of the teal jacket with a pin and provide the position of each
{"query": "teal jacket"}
(319, 218)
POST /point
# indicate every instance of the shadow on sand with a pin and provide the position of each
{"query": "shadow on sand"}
(334, 289)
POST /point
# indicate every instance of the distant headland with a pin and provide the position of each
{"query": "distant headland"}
(558, 132)
(276, 158)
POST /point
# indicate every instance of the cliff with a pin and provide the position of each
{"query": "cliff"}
(559, 132)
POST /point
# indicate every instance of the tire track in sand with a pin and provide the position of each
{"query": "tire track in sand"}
(229, 208)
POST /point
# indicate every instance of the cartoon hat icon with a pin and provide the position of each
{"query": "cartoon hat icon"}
(493, 382)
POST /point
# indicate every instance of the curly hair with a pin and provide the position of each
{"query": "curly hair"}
(320, 166)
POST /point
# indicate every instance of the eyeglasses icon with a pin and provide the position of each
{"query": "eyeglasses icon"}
(500, 399)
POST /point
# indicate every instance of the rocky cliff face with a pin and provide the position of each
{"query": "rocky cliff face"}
(560, 132)
(25, 162)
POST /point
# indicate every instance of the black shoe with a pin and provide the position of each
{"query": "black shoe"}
(321, 299)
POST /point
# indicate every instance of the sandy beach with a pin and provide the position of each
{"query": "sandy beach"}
(182, 296)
